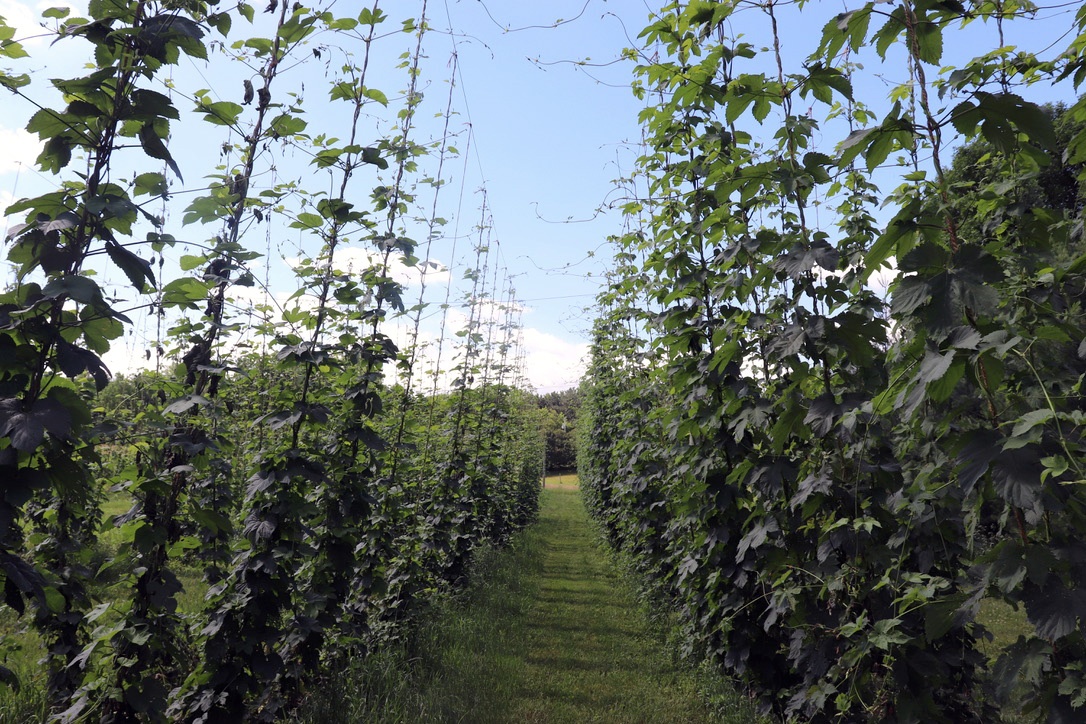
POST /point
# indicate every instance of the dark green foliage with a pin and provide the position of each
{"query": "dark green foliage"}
(824, 484)
(559, 428)
(322, 502)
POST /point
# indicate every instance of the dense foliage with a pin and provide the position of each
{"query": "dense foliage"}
(559, 422)
(293, 455)
(827, 480)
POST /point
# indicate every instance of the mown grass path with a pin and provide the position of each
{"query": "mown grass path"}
(547, 631)
(586, 654)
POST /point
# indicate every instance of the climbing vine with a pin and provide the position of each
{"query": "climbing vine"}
(280, 517)
(828, 479)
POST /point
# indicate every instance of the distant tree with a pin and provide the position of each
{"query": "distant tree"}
(560, 429)
(993, 200)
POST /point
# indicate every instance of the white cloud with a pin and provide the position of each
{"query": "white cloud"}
(550, 362)
(6, 200)
(127, 356)
(881, 278)
(17, 149)
(246, 298)
(353, 260)
(553, 363)
(26, 18)
(20, 16)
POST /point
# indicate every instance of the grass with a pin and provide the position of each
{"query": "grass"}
(591, 656)
(22, 649)
(462, 665)
(547, 631)
(1006, 624)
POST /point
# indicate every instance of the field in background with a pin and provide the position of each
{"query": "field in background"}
(562, 481)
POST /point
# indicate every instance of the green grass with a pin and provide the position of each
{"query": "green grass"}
(22, 649)
(570, 479)
(547, 631)
(461, 665)
(1006, 624)
(590, 654)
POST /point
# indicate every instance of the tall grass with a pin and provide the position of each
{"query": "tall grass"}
(20, 651)
(462, 664)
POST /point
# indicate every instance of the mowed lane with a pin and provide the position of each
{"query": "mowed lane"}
(587, 653)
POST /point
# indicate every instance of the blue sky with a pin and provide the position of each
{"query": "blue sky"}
(544, 121)
(541, 137)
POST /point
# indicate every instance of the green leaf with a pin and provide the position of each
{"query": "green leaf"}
(853, 144)
(929, 38)
(328, 157)
(7, 676)
(369, 16)
(888, 33)
(1027, 422)
(822, 79)
(148, 105)
(56, 154)
(943, 616)
(964, 337)
(833, 36)
(155, 148)
(375, 95)
(189, 262)
(342, 91)
(137, 270)
(756, 537)
(307, 221)
(287, 125)
(965, 118)
(78, 288)
(1055, 609)
(99, 330)
(1016, 476)
(48, 123)
(1021, 663)
(926, 257)
(762, 107)
(883, 142)
(821, 415)
(942, 388)
(885, 634)
(186, 403)
(262, 46)
(373, 156)
(910, 293)
(14, 82)
(343, 24)
(74, 361)
(185, 292)
(162, 35)
(27, 427)
(221, 22)
(152, 183)
(298, 27)
(220, 113)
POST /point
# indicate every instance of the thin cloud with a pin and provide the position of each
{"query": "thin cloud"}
(18, 150)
